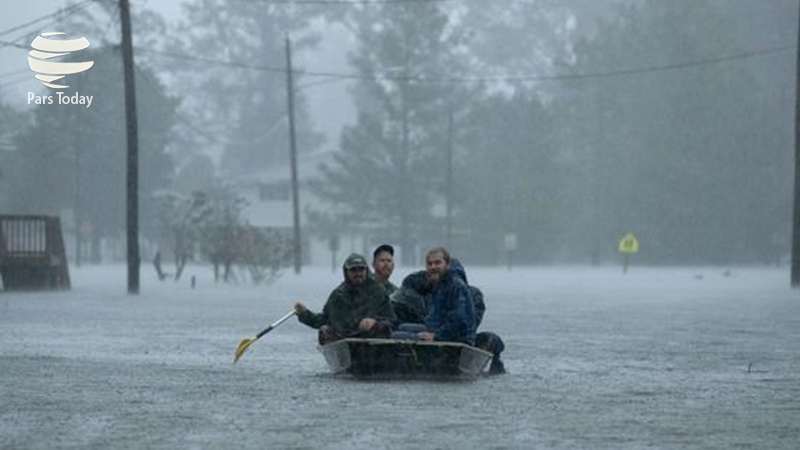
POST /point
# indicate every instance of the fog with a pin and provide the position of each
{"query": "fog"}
(513, 132)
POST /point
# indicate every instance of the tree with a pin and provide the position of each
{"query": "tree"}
(513, 181)
(518, 40)
(180, 220)
(73, 156)
(694, 158)
(388, 176)
(11, 123)
(210, 222)
(230, 59)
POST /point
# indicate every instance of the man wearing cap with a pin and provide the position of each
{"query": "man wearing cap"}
(358, 307)
(383, 265)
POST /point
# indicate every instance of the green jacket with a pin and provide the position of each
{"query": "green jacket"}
(348, 304)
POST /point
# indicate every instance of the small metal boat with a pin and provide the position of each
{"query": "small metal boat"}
(403, 358)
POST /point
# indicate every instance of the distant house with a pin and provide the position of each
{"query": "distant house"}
(268, 194)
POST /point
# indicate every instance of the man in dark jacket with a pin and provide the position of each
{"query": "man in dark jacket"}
(446, 312)
(487, 340)
(451, 313)
(383, 265)
(408, 300)
(358, 307)
(409, 303)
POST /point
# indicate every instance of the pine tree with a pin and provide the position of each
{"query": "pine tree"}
(229, 56)
(390, 172)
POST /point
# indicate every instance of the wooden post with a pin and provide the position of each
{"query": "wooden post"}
(132, 160)
(795, 273)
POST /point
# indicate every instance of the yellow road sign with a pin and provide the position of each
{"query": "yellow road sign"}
(628, 244)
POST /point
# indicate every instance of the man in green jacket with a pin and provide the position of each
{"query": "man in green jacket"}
(358, 307)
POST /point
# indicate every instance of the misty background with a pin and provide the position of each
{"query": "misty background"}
(539, 131)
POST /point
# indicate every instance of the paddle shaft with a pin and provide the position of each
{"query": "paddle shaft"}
(275, 324)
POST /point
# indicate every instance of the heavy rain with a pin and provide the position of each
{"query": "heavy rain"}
(616, 176)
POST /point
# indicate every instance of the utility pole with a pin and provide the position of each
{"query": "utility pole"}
(298, 255)
(77, 208)
(132, 160)
(449, 180)
(795, 275)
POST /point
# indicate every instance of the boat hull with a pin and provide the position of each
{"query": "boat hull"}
(403, 358)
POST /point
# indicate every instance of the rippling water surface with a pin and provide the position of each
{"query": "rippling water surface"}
(695, 358)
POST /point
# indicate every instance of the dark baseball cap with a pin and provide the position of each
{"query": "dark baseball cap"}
(355, 260)
(383, 248)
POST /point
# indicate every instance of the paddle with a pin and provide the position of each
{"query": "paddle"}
(247, 342)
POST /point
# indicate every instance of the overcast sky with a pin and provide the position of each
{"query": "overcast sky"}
(331, 106)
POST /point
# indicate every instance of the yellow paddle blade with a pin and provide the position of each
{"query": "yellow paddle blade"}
(249, 341)
(243, 345)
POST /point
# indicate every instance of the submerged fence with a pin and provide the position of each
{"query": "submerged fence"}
(32, 253)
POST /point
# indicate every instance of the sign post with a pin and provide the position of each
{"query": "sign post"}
(511, 247)
(628, 246)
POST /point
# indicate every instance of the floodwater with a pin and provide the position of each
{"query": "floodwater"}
(681, 358)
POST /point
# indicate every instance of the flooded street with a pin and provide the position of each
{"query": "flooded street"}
(690, 358)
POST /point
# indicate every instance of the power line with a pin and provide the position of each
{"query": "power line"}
(339, 76)
(65, 12)
(300, 87)
(114, 17)
(213, 61)
(278, 119)
(492, 79)
(658, 68)
(12, 44)
(68, 10)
